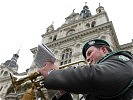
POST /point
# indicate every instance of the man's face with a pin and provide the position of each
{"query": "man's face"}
(93, 54)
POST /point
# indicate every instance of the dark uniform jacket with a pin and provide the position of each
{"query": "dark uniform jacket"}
(110, 79)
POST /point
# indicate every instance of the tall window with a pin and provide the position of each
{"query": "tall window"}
(54, 37)
(66, 56)
(93, 24)
(50, 38)
(1, 88)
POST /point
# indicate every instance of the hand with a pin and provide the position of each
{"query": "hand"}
(47, 67)
(60, 93)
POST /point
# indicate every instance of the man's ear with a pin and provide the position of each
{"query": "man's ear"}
(104, 49)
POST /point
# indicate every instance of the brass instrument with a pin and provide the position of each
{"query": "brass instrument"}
(36, 84)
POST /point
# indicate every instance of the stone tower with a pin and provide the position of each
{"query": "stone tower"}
(10, 66)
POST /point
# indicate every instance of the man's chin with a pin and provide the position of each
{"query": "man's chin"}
(92, 62)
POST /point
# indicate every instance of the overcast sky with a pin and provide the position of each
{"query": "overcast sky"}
(22, 22)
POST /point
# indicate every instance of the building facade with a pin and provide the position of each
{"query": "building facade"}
(67, 40)
(7, 68)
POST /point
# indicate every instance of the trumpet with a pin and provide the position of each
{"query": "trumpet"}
(36, 84)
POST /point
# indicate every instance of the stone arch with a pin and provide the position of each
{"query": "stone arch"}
(88, 25)
(93, 24)
(70, 32)
(5, 73)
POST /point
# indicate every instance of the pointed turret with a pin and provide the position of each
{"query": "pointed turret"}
(13, 62)
(51, 27)
(15, 57)
(85, 12)
(100, 9)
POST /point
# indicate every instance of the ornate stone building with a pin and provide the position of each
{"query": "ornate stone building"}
(10, 66)
(67, 40)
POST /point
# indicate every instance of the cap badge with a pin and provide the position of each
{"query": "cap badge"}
(91, 42)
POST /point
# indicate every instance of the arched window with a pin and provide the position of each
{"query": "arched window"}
(55, 37)
(66, 56)
(5, 73)
(70, 32)
(88, 25)
(93, 24)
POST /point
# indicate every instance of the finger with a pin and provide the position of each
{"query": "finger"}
(44, 65)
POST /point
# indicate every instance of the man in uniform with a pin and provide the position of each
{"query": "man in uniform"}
(108, 76)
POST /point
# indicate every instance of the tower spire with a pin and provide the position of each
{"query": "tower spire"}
(85, 12)
(14, 59)
(13, 62)
(85, 3)
(99, 5)
(19, 50)
(51, 27)
(100, 9)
